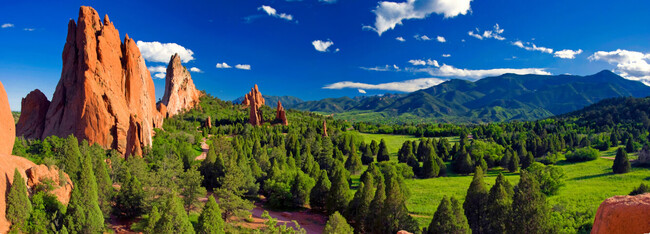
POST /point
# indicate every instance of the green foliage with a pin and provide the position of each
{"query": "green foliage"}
(318, 195)
(449, 218)
(529, 213)
(353, 163)
(527, 161)
(273, 227)
(475, 204)
(191, 189)
(105, 189)
(394, 214)
(129, 201)
(210, 221)
(550, 177)
(154, 217)
(382, 153)
(336, 224)
(46, 213)
(643, 188)
(338, 196)
(71, 158)
(513, 164)
(462, 162)
(359, 207)
(173, 217)
(582, 155)
(301, 189)
(498, 205)
(18, 204)
(621, 162)
(83, 214)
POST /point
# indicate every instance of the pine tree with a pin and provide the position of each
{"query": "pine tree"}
(367, 157)
(374, 221)
(461, 219)
(382, 153)
(173, 217)
(338, 196)
(513, 165)
(621, 162)
(336, 224)
(71, 158)
(529, 213)
(210, 221)
(527, 161)
(629, 146)
(359, 207)
(154, 217)
(430, 167)
(374, 147)
(353, 163)
(442, 166)
(18, 205)
(462, 162)
(301, 189)
(191, 190)
(318, 194)
(475, 203)
(498, 205)
(105, 189)
(83, 214)
(505, 160)
(395, 215)
(445, 220)
(129, 201)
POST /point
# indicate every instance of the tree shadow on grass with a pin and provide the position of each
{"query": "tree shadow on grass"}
(592, 176)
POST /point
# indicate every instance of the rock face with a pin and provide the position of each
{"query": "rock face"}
(254, 94)
(325, 128)
(281, 115)
(623, 214)
(255, 115)
(106, 94)
(9, 163)
(7, 127)
(208, 122)
(32, 115)
(180, 92)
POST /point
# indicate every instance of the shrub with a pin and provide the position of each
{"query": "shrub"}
(582, 155)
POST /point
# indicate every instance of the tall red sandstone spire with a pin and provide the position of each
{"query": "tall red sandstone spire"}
(180, 92)
(281, 114)
(106, 94)
(254, 94)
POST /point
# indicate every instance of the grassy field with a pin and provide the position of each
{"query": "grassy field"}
(587, 184)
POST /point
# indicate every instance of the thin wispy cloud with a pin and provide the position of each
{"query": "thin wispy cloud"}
(384, 68)
(422, 37)
(471, 74)
(420, 62)
(7, 25)
(390, 14)
(487, 34)
(400, 39)
(162, 52)
(532, 47)
(223, 65)
(446, 55)
(400, 86)
(274, 13)
(29, 29)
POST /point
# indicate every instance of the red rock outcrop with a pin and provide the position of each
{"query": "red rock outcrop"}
(7, 127)
(255, 115)
(325, 128)
(208, 122)
(254, 94)
(27, 169)
(106, 94)
(180, 92)
(39, 173)
(32, 115)
(623, 214)
(281, 115)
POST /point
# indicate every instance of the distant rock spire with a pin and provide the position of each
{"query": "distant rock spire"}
(281, 114)
(325, 128)
(254, 94)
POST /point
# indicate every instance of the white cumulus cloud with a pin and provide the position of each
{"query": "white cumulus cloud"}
(322, 46)
(420, 62)
(7, 25)
(195, 69)
(401, 86)
(495, 33)
(243, 66)
(223, 65)
(446, 55)
(567, 54)
(400, 39)
(361, 91)
(162, 52)
(272, 12)
(441, 39)
(158, 71)
(390, 14)
(422, 38)
(632, 65)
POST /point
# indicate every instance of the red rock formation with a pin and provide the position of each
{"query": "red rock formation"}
(281, 115)
(9, 163)
(32, 115)
(623, 214)
(180, 92)
(7, 127)
(208, 122)
(106, 94)
(37, 174)
(254, 94)
(255, 116)
(325, 128)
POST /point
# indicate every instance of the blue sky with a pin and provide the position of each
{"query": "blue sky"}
(315, 49)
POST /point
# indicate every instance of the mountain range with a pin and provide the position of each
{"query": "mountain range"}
(501, 98)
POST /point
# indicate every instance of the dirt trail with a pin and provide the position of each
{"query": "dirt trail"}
(308, 220)
(612, 158)
(204, 148)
